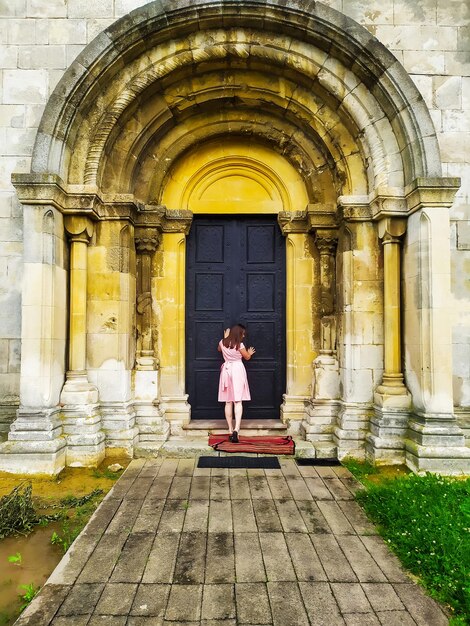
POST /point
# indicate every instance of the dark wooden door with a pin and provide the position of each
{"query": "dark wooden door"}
(235, 272)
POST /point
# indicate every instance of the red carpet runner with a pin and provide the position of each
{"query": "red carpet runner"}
(257, 445)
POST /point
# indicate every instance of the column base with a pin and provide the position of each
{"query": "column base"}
(320, 420)
(119, 427)
(350, 431)
(85, 439)
(150, 417)
(153, 428)
(177, 413)
(293, 412)
(385, 443)
(7, 417)
(435, 443)
(35, 443)
(78, 390)
(462, 417)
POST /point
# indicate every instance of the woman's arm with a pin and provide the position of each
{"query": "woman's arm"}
(247, 354)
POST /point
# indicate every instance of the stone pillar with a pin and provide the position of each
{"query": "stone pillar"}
(434, 441)
(322, 410)
(35, 443)
(82, 421)
(360, 325)
(299, 317)
(169, 287)
(385, 442)
(153, 429)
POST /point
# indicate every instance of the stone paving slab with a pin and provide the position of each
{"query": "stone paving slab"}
(173, 544)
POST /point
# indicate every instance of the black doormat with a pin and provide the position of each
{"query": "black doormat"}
(242, 462)
(317, 462)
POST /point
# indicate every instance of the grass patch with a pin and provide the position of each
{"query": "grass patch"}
(426, 522)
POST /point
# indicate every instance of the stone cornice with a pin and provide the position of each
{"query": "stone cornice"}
(85, 200)
(50, 189)
(315, 216)
(354, 208)
(425, 193)
(293, 222)
(386, 202)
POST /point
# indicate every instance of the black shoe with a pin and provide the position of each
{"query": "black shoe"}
(234, 437)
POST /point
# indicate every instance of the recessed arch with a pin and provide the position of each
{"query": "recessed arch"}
(234, 177)
(350, 65)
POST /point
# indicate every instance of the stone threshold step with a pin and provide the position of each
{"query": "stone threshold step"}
(193, 447)
(247, 424)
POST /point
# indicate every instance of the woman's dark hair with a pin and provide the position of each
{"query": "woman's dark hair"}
(235, 337)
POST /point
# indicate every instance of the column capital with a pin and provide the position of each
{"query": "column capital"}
(78, 228)
(326, 240)
(391, 229)
(146, 240)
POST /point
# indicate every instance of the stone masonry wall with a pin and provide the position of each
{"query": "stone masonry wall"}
(40, 38)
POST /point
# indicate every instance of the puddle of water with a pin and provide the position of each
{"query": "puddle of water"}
(38, 556)
(38, 559)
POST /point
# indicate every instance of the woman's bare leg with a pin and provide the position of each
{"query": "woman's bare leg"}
(238, 415)
(229, 416)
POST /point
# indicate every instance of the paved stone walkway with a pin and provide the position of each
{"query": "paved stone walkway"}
(173, 544)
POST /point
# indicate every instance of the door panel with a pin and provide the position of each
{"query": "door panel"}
(235, 273)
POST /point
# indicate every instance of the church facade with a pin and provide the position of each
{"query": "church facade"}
(176, 166)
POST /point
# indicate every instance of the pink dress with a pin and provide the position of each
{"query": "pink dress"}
(233, 383)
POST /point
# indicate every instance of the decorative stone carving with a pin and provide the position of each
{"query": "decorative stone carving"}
(146, 243)
(326, 241)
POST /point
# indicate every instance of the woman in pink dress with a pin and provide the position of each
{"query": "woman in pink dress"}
(233, 383)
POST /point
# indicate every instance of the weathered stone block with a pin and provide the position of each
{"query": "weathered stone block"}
(8, 57)
(42, 57)
(455, 121)
(67, 31)
(22, 86)
(452, 12)
(21, 31)
(46, 8)
(90, 8)
(424, 62)
(18, 141)
(456, 63)
(463, 235)
(126, 6)
(12, 8)
(414, 12)
(448, 92)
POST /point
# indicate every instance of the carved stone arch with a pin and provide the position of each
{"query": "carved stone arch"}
(340, 38)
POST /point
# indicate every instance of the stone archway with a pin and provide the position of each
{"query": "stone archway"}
(319, 90)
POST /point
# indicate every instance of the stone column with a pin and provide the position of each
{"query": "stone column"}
(153, 429)
(434, 441)
(299, 317)
(82, 421)
(169, 287)
(360, 324)
(392, 400)
(322, 410)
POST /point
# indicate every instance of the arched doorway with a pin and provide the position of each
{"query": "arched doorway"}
(323, 95)
(243, 179)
